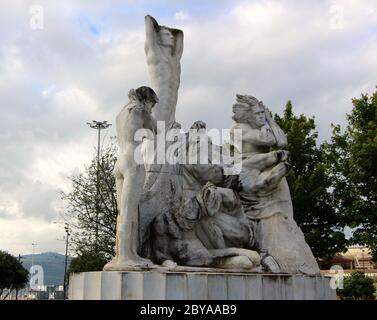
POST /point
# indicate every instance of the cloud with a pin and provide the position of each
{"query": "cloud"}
(279, 52)
(181, 15)
(80, 66)
(17, 235)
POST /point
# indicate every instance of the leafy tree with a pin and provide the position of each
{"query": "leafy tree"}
(87, 261)
(310, 185)
(354, 170)
(13, 276)
(92, 209)
(357, 287)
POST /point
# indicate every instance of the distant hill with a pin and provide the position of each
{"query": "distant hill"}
(52, 264)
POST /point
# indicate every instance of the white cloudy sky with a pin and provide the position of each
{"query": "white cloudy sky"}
(80, 66)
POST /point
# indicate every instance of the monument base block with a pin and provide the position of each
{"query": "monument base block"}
(160, 285)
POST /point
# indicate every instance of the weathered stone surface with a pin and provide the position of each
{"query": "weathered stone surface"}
(152, 285)
(76, 287)
(217, 287)
(236, 287)
(129, 172)
(111, 286)
(298, 288)
(92, 291)
(265, 193)
(176, 287)
(193, 214)
(253, 288)
(164, 48)
(209, 229)
(197, 286)
(132, 286)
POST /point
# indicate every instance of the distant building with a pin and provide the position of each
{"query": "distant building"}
(356, 258)
(43, 292)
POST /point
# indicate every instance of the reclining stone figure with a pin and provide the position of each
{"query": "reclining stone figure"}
(209, 230)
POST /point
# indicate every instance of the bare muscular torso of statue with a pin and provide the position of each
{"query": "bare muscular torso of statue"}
(163, 48)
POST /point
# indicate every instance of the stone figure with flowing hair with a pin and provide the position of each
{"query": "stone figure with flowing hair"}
(265, 193)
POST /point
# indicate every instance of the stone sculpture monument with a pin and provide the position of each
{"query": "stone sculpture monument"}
(130, 175)
(214, 224)
(177, 216)
(265, 192)
(164, 48)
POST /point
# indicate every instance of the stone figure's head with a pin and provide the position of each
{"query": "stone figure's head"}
(165, 37)
(214, 200)
(176, 125)
(241, 112)
(187, 214)
(144, 95)
(175, 129)
(250, 110)
(199, 126)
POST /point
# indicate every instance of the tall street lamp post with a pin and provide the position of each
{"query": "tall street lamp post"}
(67, 234)
(98, 125)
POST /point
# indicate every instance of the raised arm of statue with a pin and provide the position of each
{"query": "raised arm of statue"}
(163, 48)
(157, 36)
(151, 30)
(280, 136)
(178, 48)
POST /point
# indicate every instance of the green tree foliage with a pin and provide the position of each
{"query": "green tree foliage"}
(357, 287)
(87, 261)
(354, 170)
(310, 185)
(91, 213)
(13, 275)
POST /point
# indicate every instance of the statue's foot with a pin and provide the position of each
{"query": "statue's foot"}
(169, 264)
(253, 256)
(236, 262)
(125, 263)
(270, 264)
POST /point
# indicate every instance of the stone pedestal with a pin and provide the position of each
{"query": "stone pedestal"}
(157, 285)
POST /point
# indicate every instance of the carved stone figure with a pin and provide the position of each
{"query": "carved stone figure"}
(163, 186)
(199, 214)
(164, 48)
(209, 230)
(130, 176)
(265, 192)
